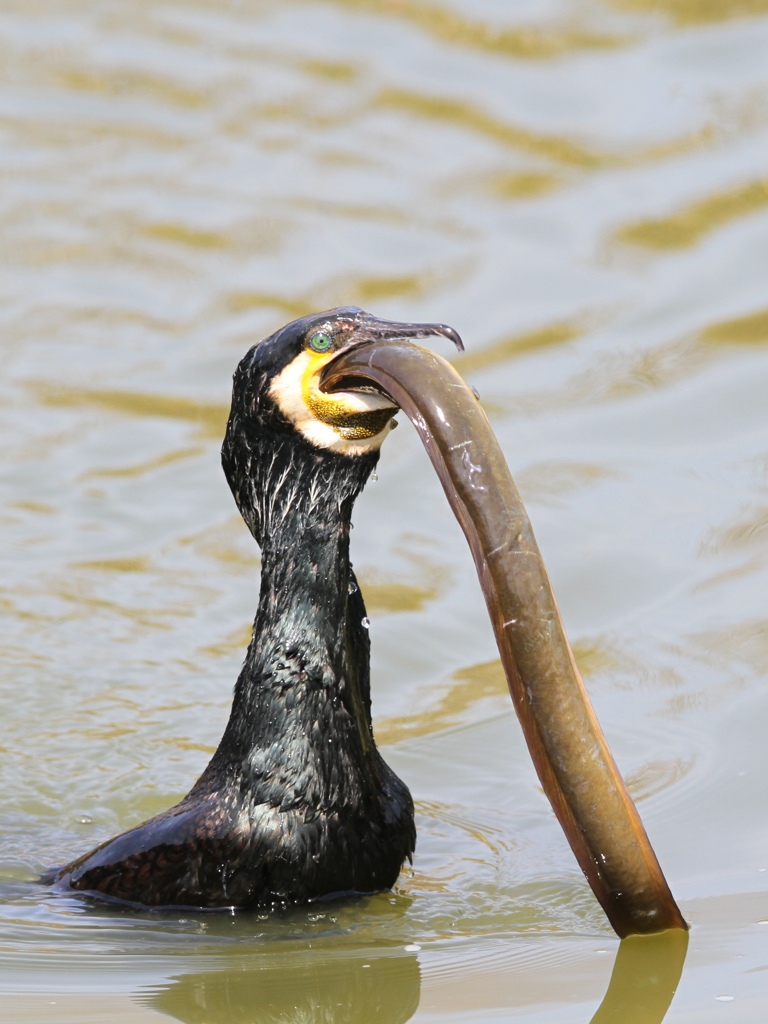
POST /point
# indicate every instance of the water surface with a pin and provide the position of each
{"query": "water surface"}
(582, 190)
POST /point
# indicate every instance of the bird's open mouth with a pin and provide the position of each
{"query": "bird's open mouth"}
(350, 383)
(333, 381)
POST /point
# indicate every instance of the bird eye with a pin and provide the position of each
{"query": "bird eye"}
(320, 341)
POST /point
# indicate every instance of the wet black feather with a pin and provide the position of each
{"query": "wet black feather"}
(297, 802)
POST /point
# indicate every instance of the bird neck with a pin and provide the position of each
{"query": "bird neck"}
(304, 686)
(305, 575)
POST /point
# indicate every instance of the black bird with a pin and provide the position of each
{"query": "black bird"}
(296, 803)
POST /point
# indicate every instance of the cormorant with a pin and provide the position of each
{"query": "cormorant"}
(297, 802)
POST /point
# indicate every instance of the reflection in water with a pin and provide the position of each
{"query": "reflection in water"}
(365, 986)
(384, 989)
(751, 329)
(557, 333)
(688, 226)
(468, 117)
(529, 42)
(644, 979)
(472, 689)
(209, 417)
(692, 12)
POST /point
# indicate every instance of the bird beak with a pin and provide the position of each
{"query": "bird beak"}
(368, 333)
(569, 751)
(371, 330)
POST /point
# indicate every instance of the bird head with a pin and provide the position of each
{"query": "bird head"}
(285, 431)
(277, 384)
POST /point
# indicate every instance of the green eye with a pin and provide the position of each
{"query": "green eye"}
(320, 341)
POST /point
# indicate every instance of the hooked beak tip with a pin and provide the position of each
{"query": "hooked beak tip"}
(391, 330)
(453, 335)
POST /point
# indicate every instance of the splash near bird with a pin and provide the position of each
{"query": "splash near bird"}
(297, 803)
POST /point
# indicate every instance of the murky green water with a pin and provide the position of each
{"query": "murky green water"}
(582, 190)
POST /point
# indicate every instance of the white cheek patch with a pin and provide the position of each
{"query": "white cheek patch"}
(288, 390)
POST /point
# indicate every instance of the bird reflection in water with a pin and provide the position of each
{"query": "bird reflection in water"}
(364, 988)
(338, 988)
